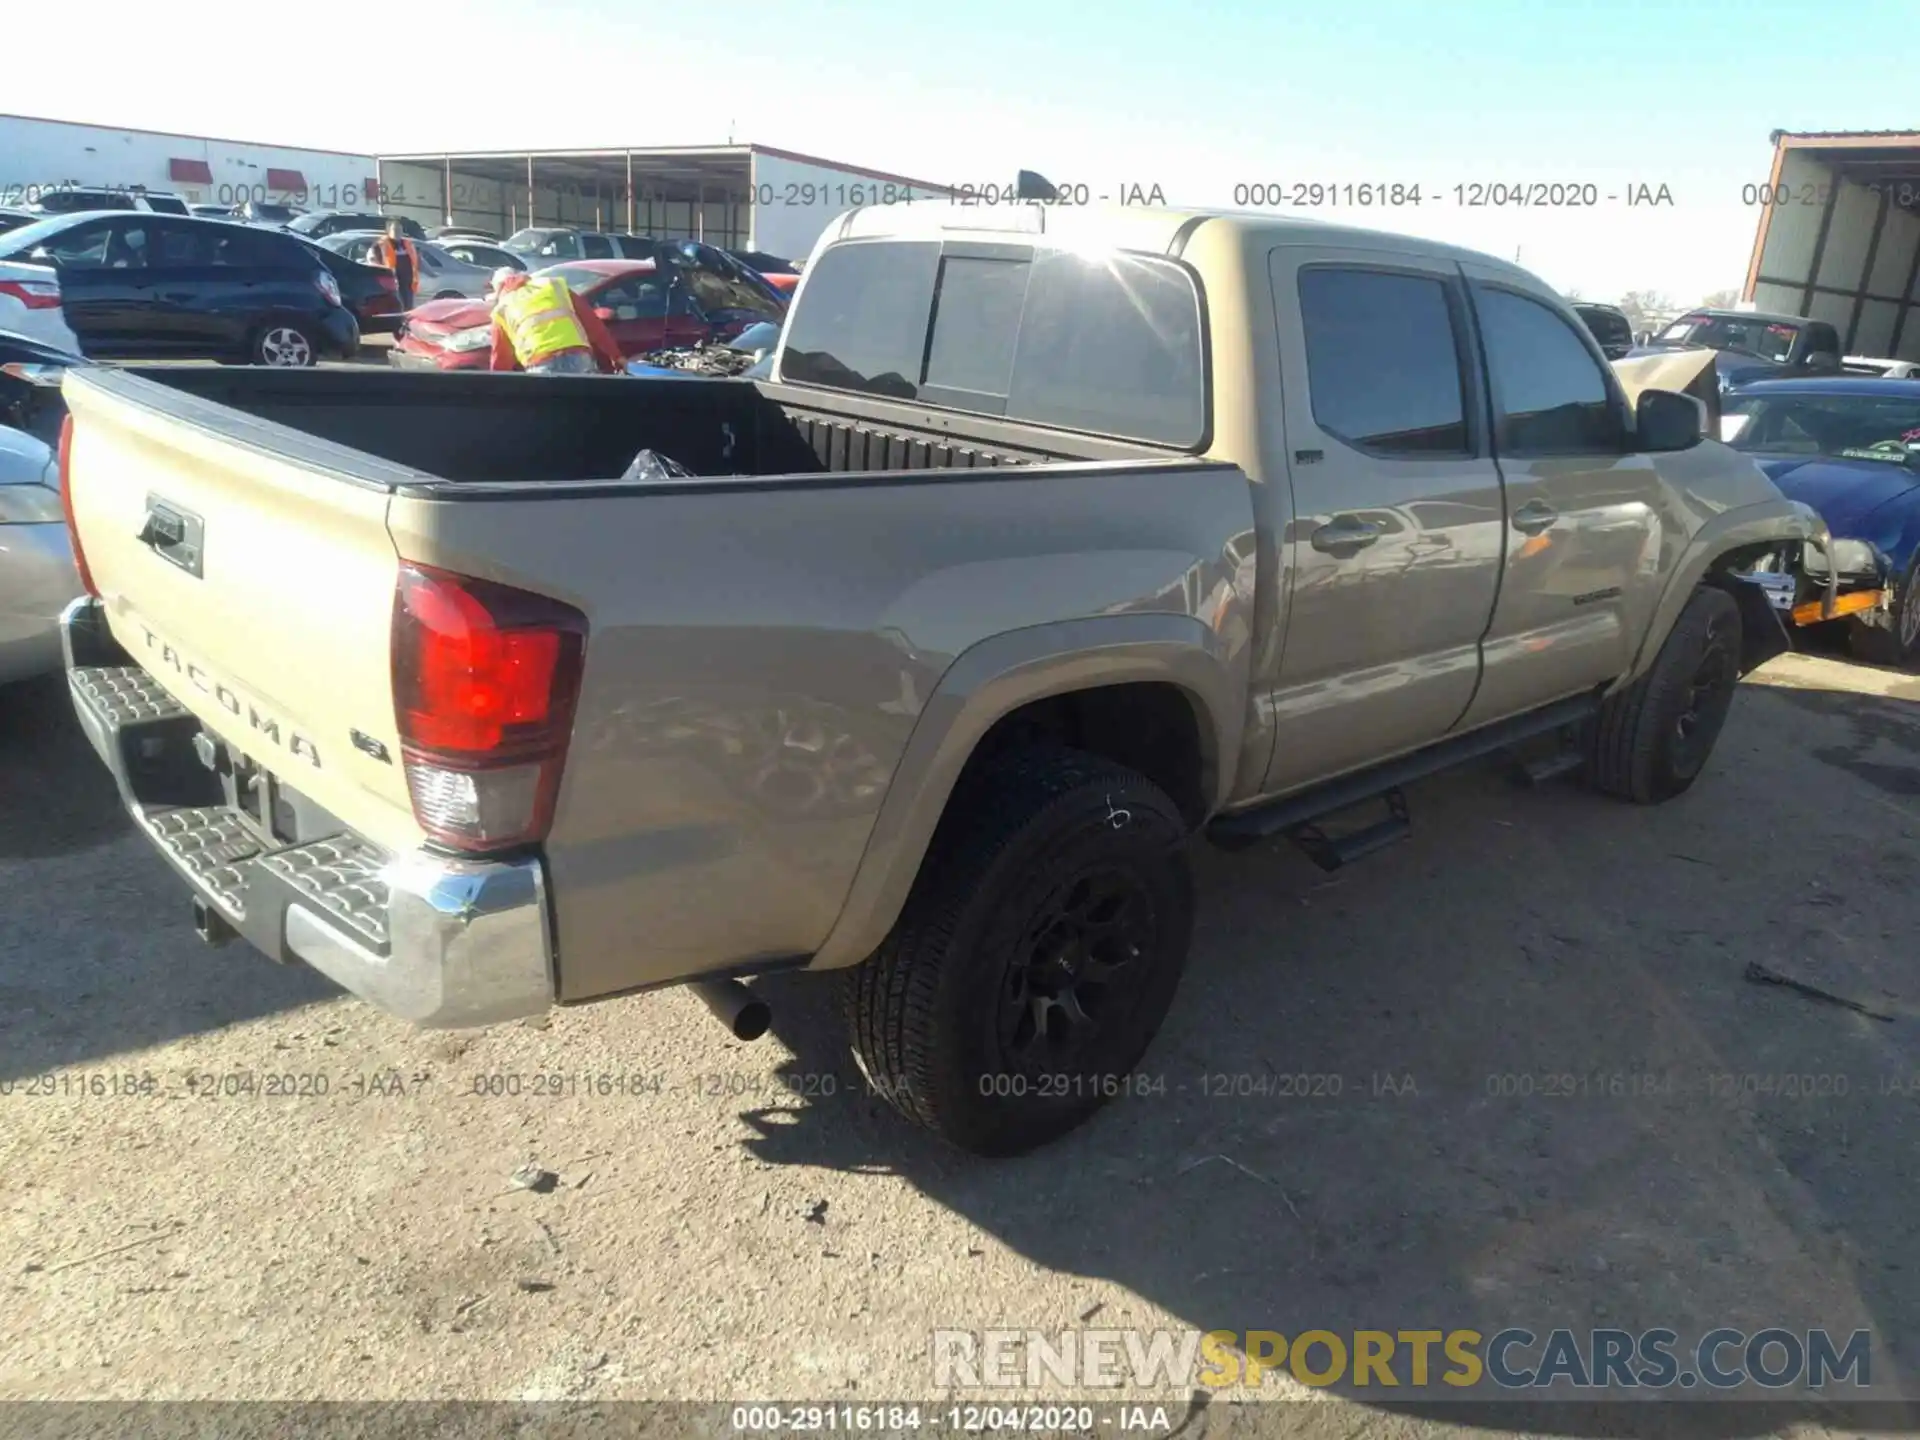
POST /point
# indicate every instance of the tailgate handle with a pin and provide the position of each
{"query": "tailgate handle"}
(175, 535)
(163, 527)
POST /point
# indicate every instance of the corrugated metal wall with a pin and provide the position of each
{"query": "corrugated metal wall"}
(1843, 252)
(420, 191)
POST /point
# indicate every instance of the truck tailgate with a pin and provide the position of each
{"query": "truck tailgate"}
(255, 587)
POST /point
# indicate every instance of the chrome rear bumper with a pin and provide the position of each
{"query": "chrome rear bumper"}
(439, 940)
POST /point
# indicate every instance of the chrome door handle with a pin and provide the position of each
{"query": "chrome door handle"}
(1344, 535)
(1534, 516)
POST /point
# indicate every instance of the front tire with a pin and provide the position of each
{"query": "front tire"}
(1896, 643)
(1651, 740)
(286, 346)
(1036, 957)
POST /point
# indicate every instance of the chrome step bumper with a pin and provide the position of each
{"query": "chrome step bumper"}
(434, 939)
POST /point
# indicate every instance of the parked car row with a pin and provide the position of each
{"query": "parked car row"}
(553, 244)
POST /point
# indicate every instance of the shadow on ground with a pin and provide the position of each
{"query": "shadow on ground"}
(55, 797)
(1539, 1091)
(75, 881)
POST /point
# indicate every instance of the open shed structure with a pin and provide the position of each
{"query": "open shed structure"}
(1839, 236)
(744, 197)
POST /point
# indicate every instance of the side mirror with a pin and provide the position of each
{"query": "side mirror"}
(601, 312)
(42, 255)
(1665, 420)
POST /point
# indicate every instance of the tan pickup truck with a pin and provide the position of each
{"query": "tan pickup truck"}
(1058, 538)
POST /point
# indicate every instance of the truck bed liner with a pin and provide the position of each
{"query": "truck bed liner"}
(514, 429)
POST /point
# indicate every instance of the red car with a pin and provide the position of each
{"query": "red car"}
(630, 295)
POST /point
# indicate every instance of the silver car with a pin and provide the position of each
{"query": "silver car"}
(442, 277)
(484, 253)
(37, 577)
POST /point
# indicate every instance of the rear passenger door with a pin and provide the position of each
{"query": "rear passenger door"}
(1394, 550)
(252, 271)
(1581, 569)
(186, 287)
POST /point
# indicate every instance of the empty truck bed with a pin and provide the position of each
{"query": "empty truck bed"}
(482, 427)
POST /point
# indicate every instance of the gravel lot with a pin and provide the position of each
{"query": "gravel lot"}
(755, 1227)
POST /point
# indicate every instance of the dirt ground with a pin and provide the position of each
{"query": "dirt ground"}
(735, 1222)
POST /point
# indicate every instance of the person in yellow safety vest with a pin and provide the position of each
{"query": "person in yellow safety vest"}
(395, 251)
(542, 327)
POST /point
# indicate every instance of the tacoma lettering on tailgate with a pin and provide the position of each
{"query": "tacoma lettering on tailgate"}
(229, 700)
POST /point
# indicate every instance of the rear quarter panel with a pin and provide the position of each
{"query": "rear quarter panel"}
(760, 656)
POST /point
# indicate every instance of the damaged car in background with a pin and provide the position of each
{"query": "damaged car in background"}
(1849, 446)
(1753, 345)
(644, 310)
(748, 356)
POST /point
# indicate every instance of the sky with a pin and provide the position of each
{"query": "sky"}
(1199, 98)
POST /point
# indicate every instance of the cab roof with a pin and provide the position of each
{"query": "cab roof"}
(1127, 227)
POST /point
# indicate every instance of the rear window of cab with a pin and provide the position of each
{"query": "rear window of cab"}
(1108, 344)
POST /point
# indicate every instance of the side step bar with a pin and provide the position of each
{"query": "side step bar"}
(1330, 852)
(1244, 828)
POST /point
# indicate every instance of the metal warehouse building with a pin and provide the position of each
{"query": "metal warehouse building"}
(1839, 236)
(748, 197)
(40, 155)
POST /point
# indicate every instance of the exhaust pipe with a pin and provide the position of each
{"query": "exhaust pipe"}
(210, 924)
(745, 1014)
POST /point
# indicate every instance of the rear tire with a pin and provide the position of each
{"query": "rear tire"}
(1036, 957)
(1651, 740)
(284, 345)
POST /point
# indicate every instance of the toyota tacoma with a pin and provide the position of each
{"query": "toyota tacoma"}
(1057, 539)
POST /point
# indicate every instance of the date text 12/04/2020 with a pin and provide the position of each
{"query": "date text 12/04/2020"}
(1470, 195)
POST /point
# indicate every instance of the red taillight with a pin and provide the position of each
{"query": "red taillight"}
(66, 508)
(34, 294)
(485, 678)
(389, 283)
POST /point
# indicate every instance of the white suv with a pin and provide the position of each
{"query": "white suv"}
(72, 200)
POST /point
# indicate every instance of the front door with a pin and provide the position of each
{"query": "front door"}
(1395, 545)
(100, 293)
(1582, 568)
(634, 308)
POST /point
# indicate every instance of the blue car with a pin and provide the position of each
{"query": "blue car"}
(1849, 446)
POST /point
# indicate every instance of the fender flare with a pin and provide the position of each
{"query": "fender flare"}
(1777, 521)
(997, 676)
